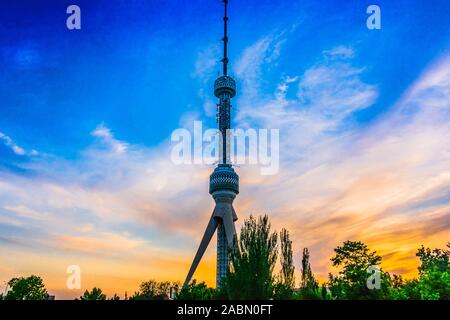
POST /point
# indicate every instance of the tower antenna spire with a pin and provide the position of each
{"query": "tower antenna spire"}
(224, 181)
(225, 39)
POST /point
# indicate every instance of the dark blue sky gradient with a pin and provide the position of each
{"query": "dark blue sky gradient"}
(131, 65)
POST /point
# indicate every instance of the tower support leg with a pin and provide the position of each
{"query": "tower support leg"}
(223, 260)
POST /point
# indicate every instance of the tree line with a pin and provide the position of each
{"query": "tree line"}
(252, 274)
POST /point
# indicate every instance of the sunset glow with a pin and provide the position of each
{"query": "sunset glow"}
(86, 176)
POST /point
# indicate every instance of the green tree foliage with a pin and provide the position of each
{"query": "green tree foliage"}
(309, 287)
(434, 285)
(252, 262)
(94, 294)
(436, 259)
(434, 277)
(255, 255)
(407, 290)
(153, 290)
(284, 288)
(354, 257)
(194, 291)
(31, 288)
(251, 274)
(287, 265)
(325, 293)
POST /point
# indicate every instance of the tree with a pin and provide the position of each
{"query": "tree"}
(436, 259)
(31, 288)
(325, 293)
(194, 291)
(434, 285)
(433, 282)
(402, 290)
(355, 258)
(115, 297)
(434, 274)
(252, 262)
(408, 290)
(94, 294)
(284, 288)
(153, 290)
(287, 266)
(309, 287)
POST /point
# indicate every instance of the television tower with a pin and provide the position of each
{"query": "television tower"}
(223, 182)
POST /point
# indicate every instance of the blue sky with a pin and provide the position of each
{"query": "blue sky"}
(86, 117)
(131, 65)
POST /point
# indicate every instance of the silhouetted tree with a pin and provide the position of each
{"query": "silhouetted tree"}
(355, 258)
(194, 291)
(31, 288)
(94, 294)
(287, 264)
(284, 288)
(153, 290)
(115, 297)
(309, 287)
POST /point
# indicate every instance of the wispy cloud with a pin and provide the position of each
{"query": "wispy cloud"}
(206, 64)
(385, 183)
(247, 68)
(106, 136)
(340, 52)
(342, 181)
(7, 141)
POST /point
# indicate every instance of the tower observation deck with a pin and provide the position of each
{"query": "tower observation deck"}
(223, 182)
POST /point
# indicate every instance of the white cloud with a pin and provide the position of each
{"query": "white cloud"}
(207, 62)
(340, 52)
(335, 90)
(7, 141)
(248, 67)
(337, 180)
(105, 134)
(23, 211)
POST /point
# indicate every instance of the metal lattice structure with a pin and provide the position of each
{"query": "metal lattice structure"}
(223, 182)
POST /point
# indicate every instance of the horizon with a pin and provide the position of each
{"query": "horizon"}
(86, 175)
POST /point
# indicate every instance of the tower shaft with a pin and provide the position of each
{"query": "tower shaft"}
(224, 126)
(223, 182)
(224, 105)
